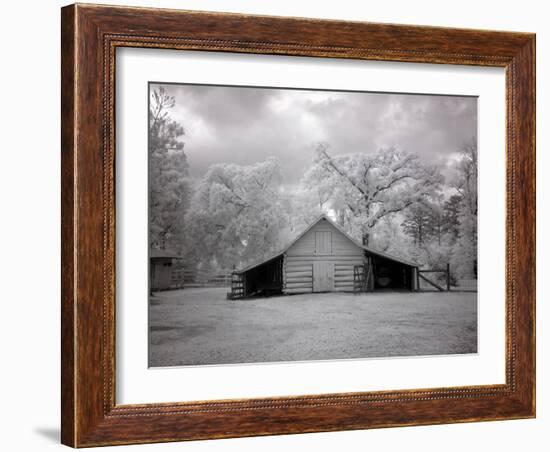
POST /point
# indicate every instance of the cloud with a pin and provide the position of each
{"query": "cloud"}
(245, 125)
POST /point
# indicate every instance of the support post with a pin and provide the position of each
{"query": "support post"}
(448, 277)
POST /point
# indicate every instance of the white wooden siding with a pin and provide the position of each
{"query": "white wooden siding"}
(341, 245)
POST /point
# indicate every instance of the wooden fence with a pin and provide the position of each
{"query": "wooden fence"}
(183, 277)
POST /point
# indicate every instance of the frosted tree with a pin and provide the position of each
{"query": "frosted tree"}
(236, 213)
(366, 188)
(451, 214)
(300, 208)
(320, 195)
(388, 236)
(437, 222)
(168, 175)
(465, 183)
(418, 224)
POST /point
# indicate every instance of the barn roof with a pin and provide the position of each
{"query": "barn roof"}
(339, 228)
(160, 254)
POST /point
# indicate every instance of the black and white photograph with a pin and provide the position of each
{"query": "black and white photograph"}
(291, 224)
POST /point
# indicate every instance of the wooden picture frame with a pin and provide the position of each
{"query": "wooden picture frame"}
(90, 36)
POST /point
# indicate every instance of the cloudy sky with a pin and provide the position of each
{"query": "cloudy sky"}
(246, 125)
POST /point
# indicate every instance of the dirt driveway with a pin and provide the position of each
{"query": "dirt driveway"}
(199, 326)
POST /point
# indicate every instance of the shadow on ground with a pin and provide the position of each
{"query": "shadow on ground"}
(52, 434)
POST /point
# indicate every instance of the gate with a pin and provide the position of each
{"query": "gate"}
(237, 286)
(446, 271)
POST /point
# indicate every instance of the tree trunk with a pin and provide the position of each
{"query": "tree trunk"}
(365, 238)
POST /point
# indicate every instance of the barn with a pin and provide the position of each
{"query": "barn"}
(160, 268)
(324, 258)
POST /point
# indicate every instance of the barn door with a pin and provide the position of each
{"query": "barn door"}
(323, 242)
(323, 276)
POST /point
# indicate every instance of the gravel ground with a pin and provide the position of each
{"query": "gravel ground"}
(199, 326)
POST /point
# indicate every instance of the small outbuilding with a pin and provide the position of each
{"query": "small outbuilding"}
(160, 269)
(324, 258)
